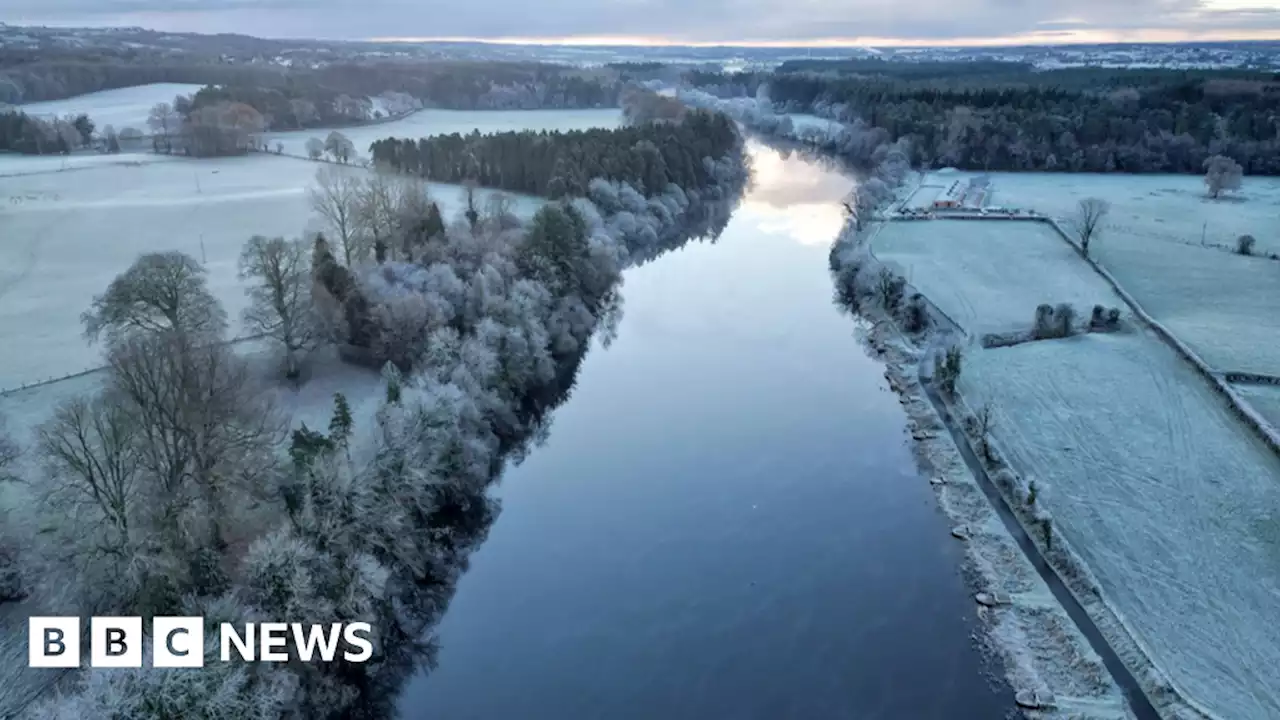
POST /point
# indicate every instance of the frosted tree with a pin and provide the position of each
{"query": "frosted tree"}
(1222, 174)
(315, 148)
(160, 292)
(279, 275)
(1087, 221)
(377, 204)
(164, 122)
(336, 198)
(340, 147)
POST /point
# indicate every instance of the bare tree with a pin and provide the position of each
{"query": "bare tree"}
(1222, 174)
(336, 198)
(10, 452)
(207, 433)
(280, 295)
(160, 292)
(378, 204)
(164, 122)
(1090, 213)
(315, 148)
(499, 212)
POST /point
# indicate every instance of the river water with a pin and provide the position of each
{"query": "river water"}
(725, 521)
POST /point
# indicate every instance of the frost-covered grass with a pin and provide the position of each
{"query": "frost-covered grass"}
(18, 165)
(425, 123)
(801, 121)
(1264, 398)
(1168, 208)
(1171, 504)
(989, 275)
(73, 232)
(122, 107)
(1222, 305)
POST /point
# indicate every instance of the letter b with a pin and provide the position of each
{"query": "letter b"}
(53, 642)
(115, 642)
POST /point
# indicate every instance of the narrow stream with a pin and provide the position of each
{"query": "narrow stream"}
(726, 521)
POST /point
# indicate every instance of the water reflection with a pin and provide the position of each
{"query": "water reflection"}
(725, 521)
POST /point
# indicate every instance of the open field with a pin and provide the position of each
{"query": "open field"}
(1219, 303)
(425, 123)
(122, 107)
(1264, 398)
(1170, 503)
(989, 275)
(73, 232)
(1168, 208)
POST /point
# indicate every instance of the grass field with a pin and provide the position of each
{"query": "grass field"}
(122, 107)
(425, 123)
(1166, 208)
(1171, 504)
(72, 232)
(1221, 304)
(989, 275)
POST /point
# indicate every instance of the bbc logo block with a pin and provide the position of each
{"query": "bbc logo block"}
(115, 642)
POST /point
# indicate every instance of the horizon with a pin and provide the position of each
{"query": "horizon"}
(822, 24)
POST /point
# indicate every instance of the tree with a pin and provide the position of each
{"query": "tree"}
(1088, 218)
(315, 148)
(341, 148)
(336, 198)
(164, 122)
(160, 292)
(1222, 174)
(280, 295)
(84, 126)
(110, 140)
(378, 199)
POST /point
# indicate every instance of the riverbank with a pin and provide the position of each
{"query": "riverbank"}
(1155, 496)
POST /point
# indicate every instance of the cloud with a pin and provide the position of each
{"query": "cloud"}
(669, 20)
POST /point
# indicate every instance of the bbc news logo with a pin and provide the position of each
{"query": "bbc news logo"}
(178, 642)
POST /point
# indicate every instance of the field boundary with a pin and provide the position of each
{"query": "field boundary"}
(1066, 562)
(1243, 410)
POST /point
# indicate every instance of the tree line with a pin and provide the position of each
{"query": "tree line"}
(647, 156)
(1006, 116)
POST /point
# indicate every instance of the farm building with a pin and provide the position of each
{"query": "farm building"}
(953, 197)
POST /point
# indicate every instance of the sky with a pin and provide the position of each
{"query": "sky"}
(753, 22)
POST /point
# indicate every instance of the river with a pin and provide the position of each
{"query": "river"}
(725, 521)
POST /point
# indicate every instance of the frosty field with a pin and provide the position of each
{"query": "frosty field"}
(122, 107)
(75, 231)
(1170, 208)
(1169, 501)
(1264, 398)
(1217, 302)
(425, 123)
(989, 275)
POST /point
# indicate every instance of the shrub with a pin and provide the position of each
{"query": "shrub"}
(916, 317)
(1065, 315)
(1043, 327)
(1113, 318)
(1097, 319)
(1032, 492)
(1244, 244)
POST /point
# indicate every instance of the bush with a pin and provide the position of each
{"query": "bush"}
(1044, 325)
(916, 316)
(1113, 318)
(1098, 319)
(1244, 244)
(1065, 315)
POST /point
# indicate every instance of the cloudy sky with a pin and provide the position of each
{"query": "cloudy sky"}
(817, 22)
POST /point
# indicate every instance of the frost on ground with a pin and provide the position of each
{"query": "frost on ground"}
(1168, 500)
(21, 165)
(1218, 303)
(1040, 647)
(123, 107)
(1264, 398)
(72, 233)
(425, 123)
(989, 275)
(1166, 208)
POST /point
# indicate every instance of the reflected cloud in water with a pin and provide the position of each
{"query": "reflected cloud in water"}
(794, 198)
